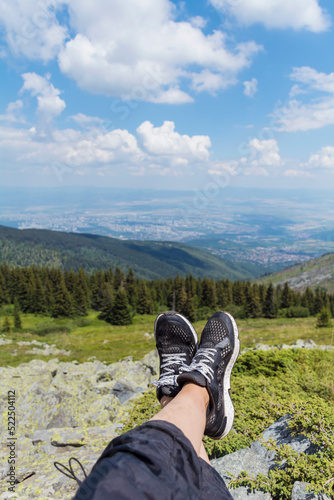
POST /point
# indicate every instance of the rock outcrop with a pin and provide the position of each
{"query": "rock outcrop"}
(66, 409)
(257, 459)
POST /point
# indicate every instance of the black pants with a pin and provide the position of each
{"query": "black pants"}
(152, 462)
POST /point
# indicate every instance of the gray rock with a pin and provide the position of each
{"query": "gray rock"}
(299, 492)
(241, 493)
(234, 463)
(281, 433)
(263, 347)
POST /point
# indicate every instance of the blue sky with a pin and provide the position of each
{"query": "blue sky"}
(161, 94)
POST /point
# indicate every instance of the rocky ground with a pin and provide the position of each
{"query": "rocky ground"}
(66, 409)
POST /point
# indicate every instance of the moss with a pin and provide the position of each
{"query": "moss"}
(267, 386)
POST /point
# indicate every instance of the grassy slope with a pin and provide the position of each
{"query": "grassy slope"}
(314, 273)
(86, 341)
(150, 260)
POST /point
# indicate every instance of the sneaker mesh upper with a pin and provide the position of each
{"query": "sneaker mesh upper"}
(214, 332)
(172, 336)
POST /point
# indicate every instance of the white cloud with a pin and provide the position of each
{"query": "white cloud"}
(295, 14)
(314, 79)
(198, 22)
(13, 112)
(86, 121)
(165, 142)
(32, 29)
(137, 51)
(49, 104)
(134, 50)
(313, 113)
(263, 155)
(250, 87)
(256, 171)
(229, 166)
(160, 150)
(266, 152)
(297, 173)
(322, 159)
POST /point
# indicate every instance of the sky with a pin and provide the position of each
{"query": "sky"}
(167, 95)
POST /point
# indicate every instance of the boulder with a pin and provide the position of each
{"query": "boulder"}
(300, 492)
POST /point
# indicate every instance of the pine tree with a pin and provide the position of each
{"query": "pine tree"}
(190, 285)
(97, 285)
(17, 317)
(118, 279)
(80, 301)
(324, 318)
(262, 293)
(189, 309)
(120, 311)
(228, 292)
(6, 325)
(130, 288)
(107, 294)
(3, 292)
(143, 301)
(269, 308)
(286, 297)
(62, 301)
(208, 296)
(49, 300)
(181, 300)
(318, 302)
(238, 293)
(308, 300)
(80, 294)
(252, 302)
(39, 301)
(70, 280)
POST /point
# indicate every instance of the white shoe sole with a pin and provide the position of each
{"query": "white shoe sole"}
(228, 405)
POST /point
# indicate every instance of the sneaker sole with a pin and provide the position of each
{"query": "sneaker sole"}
(228, 405)
(193, 331)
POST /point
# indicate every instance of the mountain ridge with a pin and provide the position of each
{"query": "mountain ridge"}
(149, 259)
(314, 273)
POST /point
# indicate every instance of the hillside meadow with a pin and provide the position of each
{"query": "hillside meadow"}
(90, 336)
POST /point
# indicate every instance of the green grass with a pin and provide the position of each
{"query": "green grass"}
(85, 337)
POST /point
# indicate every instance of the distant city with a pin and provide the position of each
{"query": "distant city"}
(271, 229)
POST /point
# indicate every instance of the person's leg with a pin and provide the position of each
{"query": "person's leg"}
(187, 411)
(165, 400)
(203, 454)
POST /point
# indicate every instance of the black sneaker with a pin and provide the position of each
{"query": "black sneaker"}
(212, 367)
(176, 341)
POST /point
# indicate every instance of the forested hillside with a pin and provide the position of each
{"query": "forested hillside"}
(149, 260)
(118, 296)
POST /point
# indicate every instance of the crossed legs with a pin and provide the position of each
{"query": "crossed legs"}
(187, 411)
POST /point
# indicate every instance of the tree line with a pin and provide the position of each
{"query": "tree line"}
(118, 295)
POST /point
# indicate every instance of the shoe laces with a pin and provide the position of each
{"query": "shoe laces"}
(69, 472)
(202, 363)
(169, 376)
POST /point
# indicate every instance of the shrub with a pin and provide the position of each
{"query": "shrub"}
(82, 322)
(324, 318)
(297, 312)
(204, 313)
(47, 328)
(236, 311)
